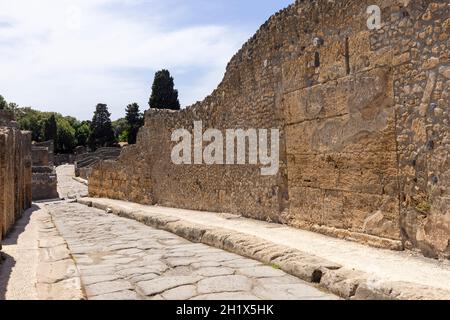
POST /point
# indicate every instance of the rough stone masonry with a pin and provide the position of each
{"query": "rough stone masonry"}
(44, 180)
(15, 172)
(363, 116)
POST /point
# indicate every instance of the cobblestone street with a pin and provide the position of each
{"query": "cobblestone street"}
(117, 258)
(123, 259)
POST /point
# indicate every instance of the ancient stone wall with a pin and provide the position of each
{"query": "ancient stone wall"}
(50, 146)
(422, 99)
(15, 173)
(40, 157)
(363, 116)
(44, 179)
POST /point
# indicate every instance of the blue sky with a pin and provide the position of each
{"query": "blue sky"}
(69, 55)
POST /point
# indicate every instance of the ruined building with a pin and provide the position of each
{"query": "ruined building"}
(15, 172)
(363, 115)
(44, 182)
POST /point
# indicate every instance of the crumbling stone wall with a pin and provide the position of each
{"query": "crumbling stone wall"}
(15, 173)
(363, 116)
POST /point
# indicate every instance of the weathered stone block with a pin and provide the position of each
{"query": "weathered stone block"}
(40, 156)
(45, 186)
(374, 173)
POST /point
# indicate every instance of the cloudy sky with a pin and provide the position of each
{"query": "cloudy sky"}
(69, 55)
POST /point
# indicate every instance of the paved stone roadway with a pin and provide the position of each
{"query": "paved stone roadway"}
(123, 259)
(67, 187)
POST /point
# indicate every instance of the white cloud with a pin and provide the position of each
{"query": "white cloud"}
(46, 61)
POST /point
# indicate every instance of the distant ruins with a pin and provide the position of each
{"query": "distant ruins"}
(85, 161)
(15, 172)
(44, 176)
(364, 122)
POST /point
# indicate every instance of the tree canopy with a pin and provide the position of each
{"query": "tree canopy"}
(65, 142)
(120, 127)
(50, 128)
(68, 132)
(82, 133)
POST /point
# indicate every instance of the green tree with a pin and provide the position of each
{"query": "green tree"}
(73, 122)
(3, 103)
(123, 137)
(31, 120)
(135, 120)
(65, 142)
(82, 133)
(50, 128)
(102, 133)
(164, 95)
(10, 108)
(13, 108)
(42, 126)
(120, 127)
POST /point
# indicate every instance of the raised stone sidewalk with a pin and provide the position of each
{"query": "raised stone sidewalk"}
(38, 264)
(348, 269)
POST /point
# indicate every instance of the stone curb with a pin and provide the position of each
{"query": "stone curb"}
(81, 180)
(58, 277)
(349, 284)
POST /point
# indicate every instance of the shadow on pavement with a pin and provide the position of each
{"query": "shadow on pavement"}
(11, 239)
(6, 267)
(19, 226)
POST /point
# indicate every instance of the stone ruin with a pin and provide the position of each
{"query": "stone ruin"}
(363, 116)
(15, 173)
(44, 176)
(50, 145)
(84, 161)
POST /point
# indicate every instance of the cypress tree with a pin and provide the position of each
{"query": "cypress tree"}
(135, 120)
(102, 133)
(50, 129)
(164, 95)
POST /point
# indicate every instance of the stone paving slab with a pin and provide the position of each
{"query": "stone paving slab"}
(57, 276)
(39, 264)
(350, 270)
(121, 259)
